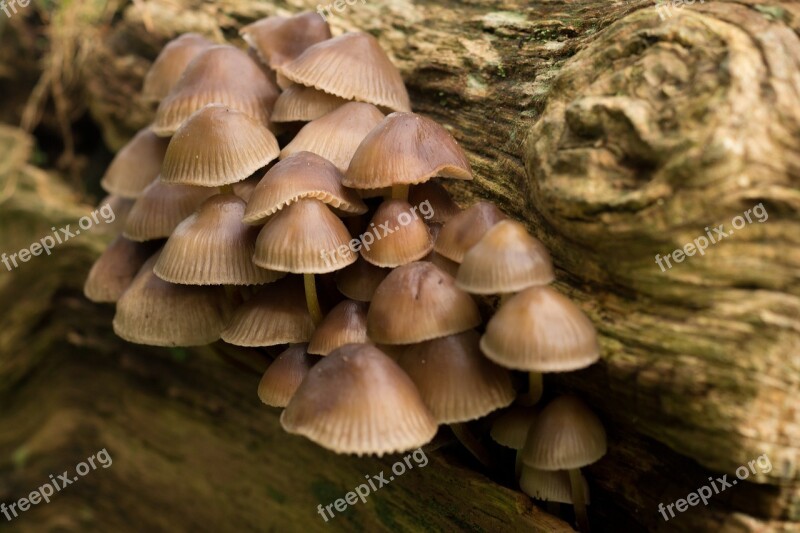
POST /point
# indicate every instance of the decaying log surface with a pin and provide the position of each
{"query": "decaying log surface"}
(617, 136)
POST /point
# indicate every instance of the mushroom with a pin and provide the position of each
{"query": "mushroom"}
(464, 230)
(218, 146)
(507, 259)
(549, 486)
(302, 175)
(221, 75)
(406, 149)
(161, 207)
(344, 324)
(567, 435)
(279, 40)
(274, 315)
(510, 429)
(557, 337)
(451, 267)
(173, 59)
(442, 209)
(155, 312)
(357, 400)
(121, 207)
(213, 247)
(401, 236)
(458, 384)
(352, 66)
(115, 269)
(244, 189)
(418, 302)
(305, 238)
(136, 165)
(337, 135)
(299, 103)
(359, 280)
(284, 375)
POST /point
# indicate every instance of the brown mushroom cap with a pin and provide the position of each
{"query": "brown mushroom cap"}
(549, 486)
(406, 148)
(161, 207)
(115, 269)
(442, 206)
(462, 231)
(344, 324)
(285, 374)
(506, 259)
(218, 146)
(303, 175)
(136, 165)
(219, 75)
(357, 400)
(304, 238)
(418, 302)
(400, 236)
(510, 429)
(352, 66)
(455, 381)
(121, 207)
(337, 135)
(173, 59)
(359, 280)
(299, 103)
(566, 435)
(277, 314)
(213, 247)
(155, 312)
(279, 40)
(244, 189)
(558, 335)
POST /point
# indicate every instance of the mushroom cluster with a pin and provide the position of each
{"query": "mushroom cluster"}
(271, 176)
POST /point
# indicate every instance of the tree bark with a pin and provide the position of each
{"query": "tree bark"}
(617, 135)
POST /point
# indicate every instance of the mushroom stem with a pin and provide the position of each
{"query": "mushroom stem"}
(579, 499)
(504, 297)
(535, 387)
(400, 192)
(472, 444)
(311, 298)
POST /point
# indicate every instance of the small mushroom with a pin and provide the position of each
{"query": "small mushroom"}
(213, 247)
(274, 315)
(510, 429)
(359, 280)
(344, 324)
(507, 259)
(115, 269)
(418, 302)
(406, 149)
(549, 486)
(244, 189)
(305, 238)
(136, 165)
(337, 135)
(168, 67)
(218, 146)
(155, 312)
(357, 400)
(121, 207)
(221, 75)
(161, 207)
(402, 236)
(464, 230)
(279, 40)
(352, 66)
(442, 206)
(451, 267)
(567, 435)
(299, 103)
(302, 175)
(284, 375)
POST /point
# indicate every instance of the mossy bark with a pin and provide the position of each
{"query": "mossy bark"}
(617, 135)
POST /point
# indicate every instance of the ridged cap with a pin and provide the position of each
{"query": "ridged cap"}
(279, 40)
(299, 103)
(115, 269)
(344, 324)
(359, 280)
(168, 67)
(442, 206)
(400, 236)
(464, 230)
(558, 337)
(136, 165)
(510, 429)
(285, 374)
(357, 400)
(549, 486)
